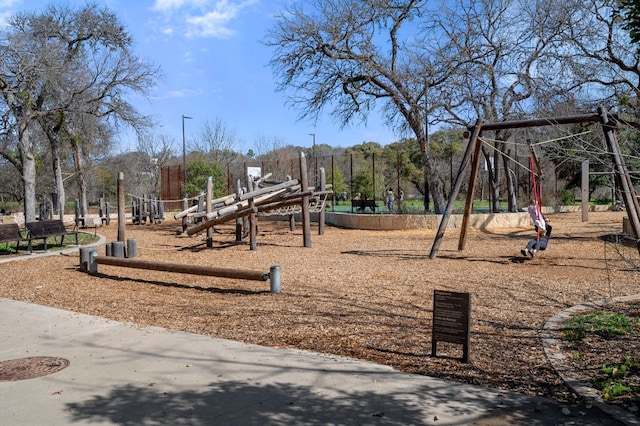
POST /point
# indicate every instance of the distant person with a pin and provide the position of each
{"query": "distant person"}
(400, 199)
(535, 245)
(390, 199)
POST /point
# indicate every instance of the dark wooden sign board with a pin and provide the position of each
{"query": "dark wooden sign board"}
(451, 319)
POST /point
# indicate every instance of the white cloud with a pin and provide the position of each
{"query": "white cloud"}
(177, 94)
(202, 18)
(215, 23)
(4, 4)
(6, 10)
(166, 5)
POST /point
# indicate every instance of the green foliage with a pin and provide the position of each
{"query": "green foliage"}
(604, 200)
(52, 243)
(567, 197)
(405, 160)
(612, 383)
(108, 183)
(363, 178)
(198, 171)
(363, 182)
(447, 143)
(339, 185)
(630, 13)
(603, 324)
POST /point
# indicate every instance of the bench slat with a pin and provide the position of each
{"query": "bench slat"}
(10, 232)
(41, 230)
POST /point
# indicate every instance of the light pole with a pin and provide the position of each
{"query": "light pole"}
(184, 157)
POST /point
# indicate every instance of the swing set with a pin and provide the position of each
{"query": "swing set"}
(474, 148)
(536, 188)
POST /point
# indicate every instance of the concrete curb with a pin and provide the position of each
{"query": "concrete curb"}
(552, 343)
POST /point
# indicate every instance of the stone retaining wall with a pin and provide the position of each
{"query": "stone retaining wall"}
(390, 222)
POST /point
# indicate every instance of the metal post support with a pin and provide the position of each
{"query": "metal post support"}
(117, 249)
(85, 253)
(88, 260)
(275, 279)
(132, 248)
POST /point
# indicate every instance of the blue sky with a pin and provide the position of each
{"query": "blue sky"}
(215, 67)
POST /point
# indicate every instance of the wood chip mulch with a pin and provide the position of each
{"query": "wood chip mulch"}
(357, 293)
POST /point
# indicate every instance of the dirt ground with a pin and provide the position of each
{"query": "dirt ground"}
(362, 294)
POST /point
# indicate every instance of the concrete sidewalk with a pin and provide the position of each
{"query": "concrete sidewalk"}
(126, 375)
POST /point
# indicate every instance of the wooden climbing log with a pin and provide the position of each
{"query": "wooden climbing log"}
(268, 190)
(215, 221)
(183, 269)
(186, 212)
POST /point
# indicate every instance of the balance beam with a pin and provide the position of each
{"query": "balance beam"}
(89, 263)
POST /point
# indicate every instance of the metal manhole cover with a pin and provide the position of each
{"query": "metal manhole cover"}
(29, 368)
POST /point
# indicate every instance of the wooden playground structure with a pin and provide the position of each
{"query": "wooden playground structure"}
(473, 155)
(261, 198)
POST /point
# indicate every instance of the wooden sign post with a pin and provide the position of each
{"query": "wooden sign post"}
(451, 320)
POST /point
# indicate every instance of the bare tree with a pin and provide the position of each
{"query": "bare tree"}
(503, 44)
(22, 73)
(64, 62)
(218, 142)
(359, 56)
(155, 151)
(596, 60)
(276, 157)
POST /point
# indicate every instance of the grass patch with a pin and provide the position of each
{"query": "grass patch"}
(604, 324)
(612, 383)
(52, 243)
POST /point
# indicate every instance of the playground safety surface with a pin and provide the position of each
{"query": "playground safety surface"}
(359, 294)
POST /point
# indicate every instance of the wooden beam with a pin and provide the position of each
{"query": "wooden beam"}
(468, 206)
(473, 141)
(183, 269)
(535, 122)
(306, 217)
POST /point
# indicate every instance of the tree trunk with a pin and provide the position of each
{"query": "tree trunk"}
(511, 193)
(28, 171)
(78, 164)
(427, 199)
(495, 182)
(57, 172)
(435, 187)
(491, 176)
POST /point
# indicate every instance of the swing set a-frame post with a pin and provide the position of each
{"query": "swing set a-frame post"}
(471, 190)
(471, 147)
(628, 192)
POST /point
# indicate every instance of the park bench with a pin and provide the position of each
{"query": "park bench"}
(361, 205)
(43, 229)
(10, 232)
